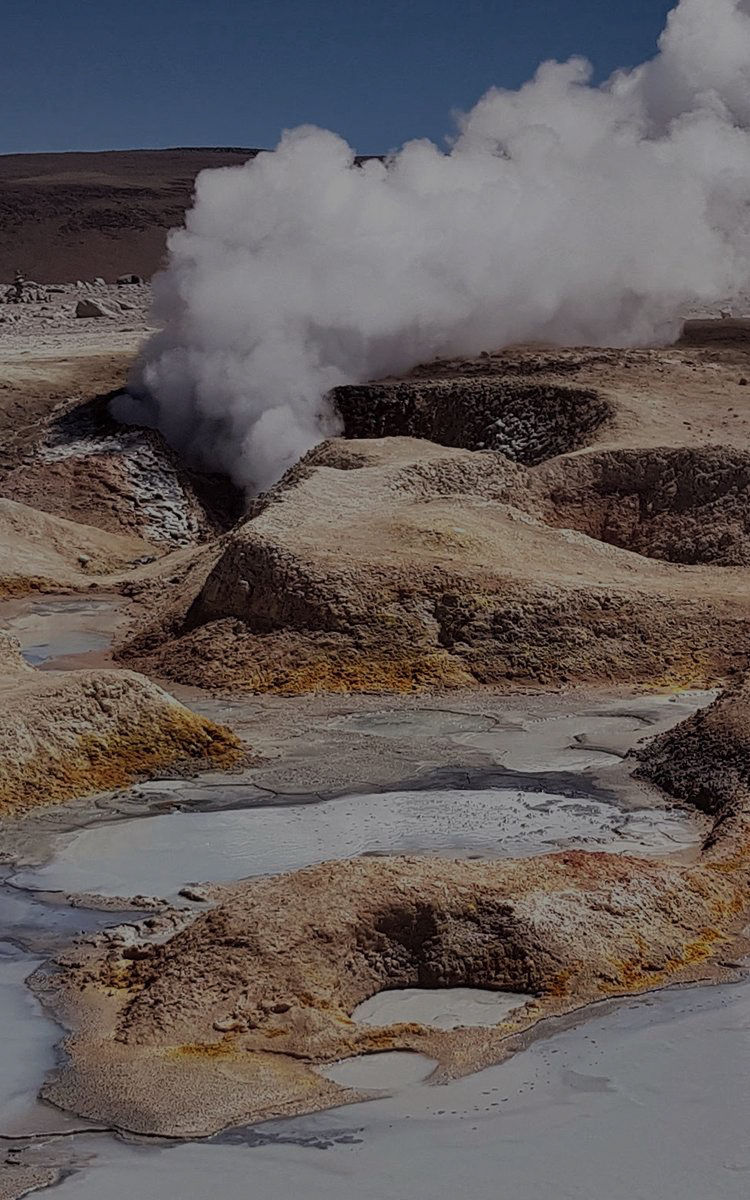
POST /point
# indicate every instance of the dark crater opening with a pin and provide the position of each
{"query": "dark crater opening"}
(481, 946)
(529, 423)
(688, 506)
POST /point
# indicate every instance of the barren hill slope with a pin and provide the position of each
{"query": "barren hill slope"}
(78, 216)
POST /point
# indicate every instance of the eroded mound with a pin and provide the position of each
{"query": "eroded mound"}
(684, 506)
(706, 760)
(261, 988)
(529, 423)
(40, 552)
(67, 734)
(398, 564)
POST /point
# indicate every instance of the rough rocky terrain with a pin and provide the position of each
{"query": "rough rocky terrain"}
(527, 520)
(67, 734)
(551, 516)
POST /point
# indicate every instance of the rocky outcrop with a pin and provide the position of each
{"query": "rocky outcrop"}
(124, 480)
(394, 564)
(89, 308)
(706, 761)
(68, 734)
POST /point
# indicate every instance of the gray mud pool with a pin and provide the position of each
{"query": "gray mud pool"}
(648, 1101)
(53, 630)
(27, 1052)
(156, 855)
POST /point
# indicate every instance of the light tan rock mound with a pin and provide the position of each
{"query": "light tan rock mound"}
(225, 1021)
(68, 734)
(395, 564)
(39, 552)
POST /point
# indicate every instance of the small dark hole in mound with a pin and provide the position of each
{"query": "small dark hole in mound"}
(482, 946)
(528, 423)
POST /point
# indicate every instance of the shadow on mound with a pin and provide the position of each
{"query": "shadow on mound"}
(483, 945)
(528, 423)
(686, 506)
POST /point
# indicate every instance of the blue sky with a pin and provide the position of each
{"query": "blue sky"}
(105, 74)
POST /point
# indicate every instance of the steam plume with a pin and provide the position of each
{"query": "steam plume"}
(563, 212)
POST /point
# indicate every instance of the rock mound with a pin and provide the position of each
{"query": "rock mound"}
(89, 308)
(261, 988)
(68, 734)
(405, 565)
(39, 552)
(706, 759)
(529, 423)
(123, 479)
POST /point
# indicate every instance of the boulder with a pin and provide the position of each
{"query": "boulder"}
(92, 308)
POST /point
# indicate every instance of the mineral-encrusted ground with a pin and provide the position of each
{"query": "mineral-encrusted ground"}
(579, 517)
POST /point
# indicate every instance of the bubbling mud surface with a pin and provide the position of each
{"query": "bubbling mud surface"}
(158, 855)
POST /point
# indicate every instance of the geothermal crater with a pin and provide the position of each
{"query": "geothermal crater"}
(527, 423)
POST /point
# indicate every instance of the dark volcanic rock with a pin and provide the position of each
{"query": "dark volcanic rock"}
(529, 423)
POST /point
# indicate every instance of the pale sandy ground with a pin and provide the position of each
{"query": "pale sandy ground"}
(50, 327)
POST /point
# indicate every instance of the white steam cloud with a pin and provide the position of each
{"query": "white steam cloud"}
(564, 212)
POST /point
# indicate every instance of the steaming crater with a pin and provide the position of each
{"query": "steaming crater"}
(563, 213)
(680, 505)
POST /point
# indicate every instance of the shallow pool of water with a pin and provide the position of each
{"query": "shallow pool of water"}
(390, 1071)
(157, 855)
(647, 1101)
(442, 1008)
(27, 1051)
(62, 627)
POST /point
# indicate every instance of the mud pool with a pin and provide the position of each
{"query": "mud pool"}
(27, 1051)
(157, 855)
(647, 1100)
(443, 1008)
(54, 630)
